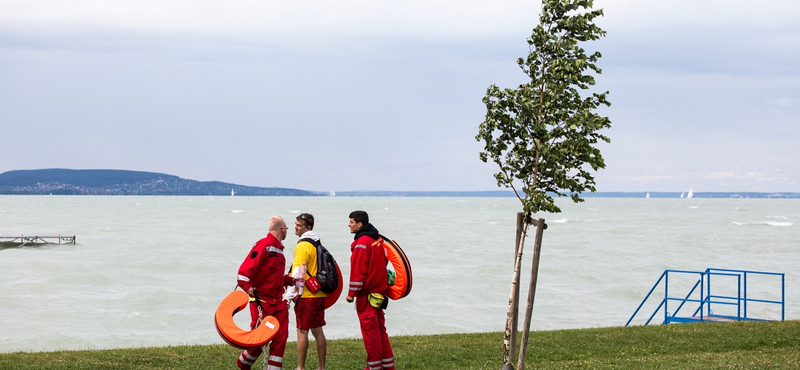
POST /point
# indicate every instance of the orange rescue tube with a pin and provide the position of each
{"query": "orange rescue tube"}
(236, 301)
(401, 267)
(331, 298)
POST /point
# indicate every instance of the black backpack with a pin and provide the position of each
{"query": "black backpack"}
(327, 275)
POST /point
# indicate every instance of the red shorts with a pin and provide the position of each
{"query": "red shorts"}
(310, 313)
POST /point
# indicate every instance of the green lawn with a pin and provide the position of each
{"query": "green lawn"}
(765, 345)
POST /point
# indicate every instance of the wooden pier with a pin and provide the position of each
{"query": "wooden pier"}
(29, 240)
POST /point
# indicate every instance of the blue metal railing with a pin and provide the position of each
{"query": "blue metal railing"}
(705, 299)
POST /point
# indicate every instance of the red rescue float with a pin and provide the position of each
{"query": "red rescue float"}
(331, 298)
(236, 301)
(402, 269)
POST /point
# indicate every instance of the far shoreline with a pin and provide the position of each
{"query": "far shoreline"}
(471, 194)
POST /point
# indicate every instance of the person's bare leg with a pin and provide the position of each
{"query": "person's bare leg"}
(322, 345)
(302, 348)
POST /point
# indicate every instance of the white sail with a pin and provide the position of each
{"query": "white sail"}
(231, 192)
(647, 196)
(691, 193)
(681, 194)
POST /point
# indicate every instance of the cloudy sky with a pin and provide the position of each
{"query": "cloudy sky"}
(386, 95)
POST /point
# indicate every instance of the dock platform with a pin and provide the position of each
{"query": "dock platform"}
(699, 305)
(23, 240)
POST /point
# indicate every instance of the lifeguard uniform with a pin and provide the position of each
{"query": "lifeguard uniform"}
(368, 275)
(310, 307)
(263, 270)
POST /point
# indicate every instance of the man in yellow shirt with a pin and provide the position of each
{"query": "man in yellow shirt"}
(310, 307)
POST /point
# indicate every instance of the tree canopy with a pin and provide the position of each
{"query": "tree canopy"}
(543, 134)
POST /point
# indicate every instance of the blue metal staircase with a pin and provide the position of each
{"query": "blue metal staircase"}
(730, 300)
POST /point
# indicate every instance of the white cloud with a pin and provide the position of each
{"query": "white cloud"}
(783, 102)
(743, 176)
(679, 16)
(721, 176)
(255, 19)
(703, 92)
(742, 179)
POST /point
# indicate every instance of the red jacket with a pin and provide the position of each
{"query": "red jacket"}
(367, 265)
(263, 269)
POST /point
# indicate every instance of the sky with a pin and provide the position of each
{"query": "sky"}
(386, 95)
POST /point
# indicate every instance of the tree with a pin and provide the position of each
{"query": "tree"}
(543, 134)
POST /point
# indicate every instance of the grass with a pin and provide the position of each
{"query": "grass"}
(750, 345)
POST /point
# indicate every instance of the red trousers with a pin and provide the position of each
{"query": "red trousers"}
(277, 345)
(373, 329)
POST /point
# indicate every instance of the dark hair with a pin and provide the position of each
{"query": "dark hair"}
(360, 216)
(307, 219)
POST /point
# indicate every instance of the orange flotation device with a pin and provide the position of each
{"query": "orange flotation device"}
(236, 301)
(331, 298)
(402, 269)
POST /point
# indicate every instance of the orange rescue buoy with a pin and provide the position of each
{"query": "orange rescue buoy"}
(402, 269)
(236, 301)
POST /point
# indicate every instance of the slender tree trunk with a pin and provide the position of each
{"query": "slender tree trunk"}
(537, 249)
(515, 316)
(512, 301)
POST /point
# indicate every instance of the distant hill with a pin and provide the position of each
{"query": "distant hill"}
(121, 182)
(465, 194)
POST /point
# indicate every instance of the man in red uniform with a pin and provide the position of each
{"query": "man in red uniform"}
(262, 276)
(368, 277)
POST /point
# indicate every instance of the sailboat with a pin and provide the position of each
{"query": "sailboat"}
(232, 192)
(647, 196)
(691, 194)
(681, 194)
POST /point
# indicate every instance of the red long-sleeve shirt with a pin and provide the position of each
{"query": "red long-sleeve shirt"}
(367, 267)
(264, 269)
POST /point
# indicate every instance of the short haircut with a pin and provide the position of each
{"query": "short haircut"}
(360, 216)
(276, 223)
(307, 219)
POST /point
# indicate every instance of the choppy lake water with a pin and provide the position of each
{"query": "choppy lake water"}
(150, 271)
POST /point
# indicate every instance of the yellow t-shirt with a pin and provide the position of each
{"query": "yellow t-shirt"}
(307, 252)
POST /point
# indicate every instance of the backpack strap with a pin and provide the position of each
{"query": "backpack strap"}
(315, 243)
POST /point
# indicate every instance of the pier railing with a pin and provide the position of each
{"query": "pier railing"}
(732, 301)
(24, 240)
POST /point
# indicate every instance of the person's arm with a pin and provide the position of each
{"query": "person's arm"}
(246, 270)
(358, 270)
